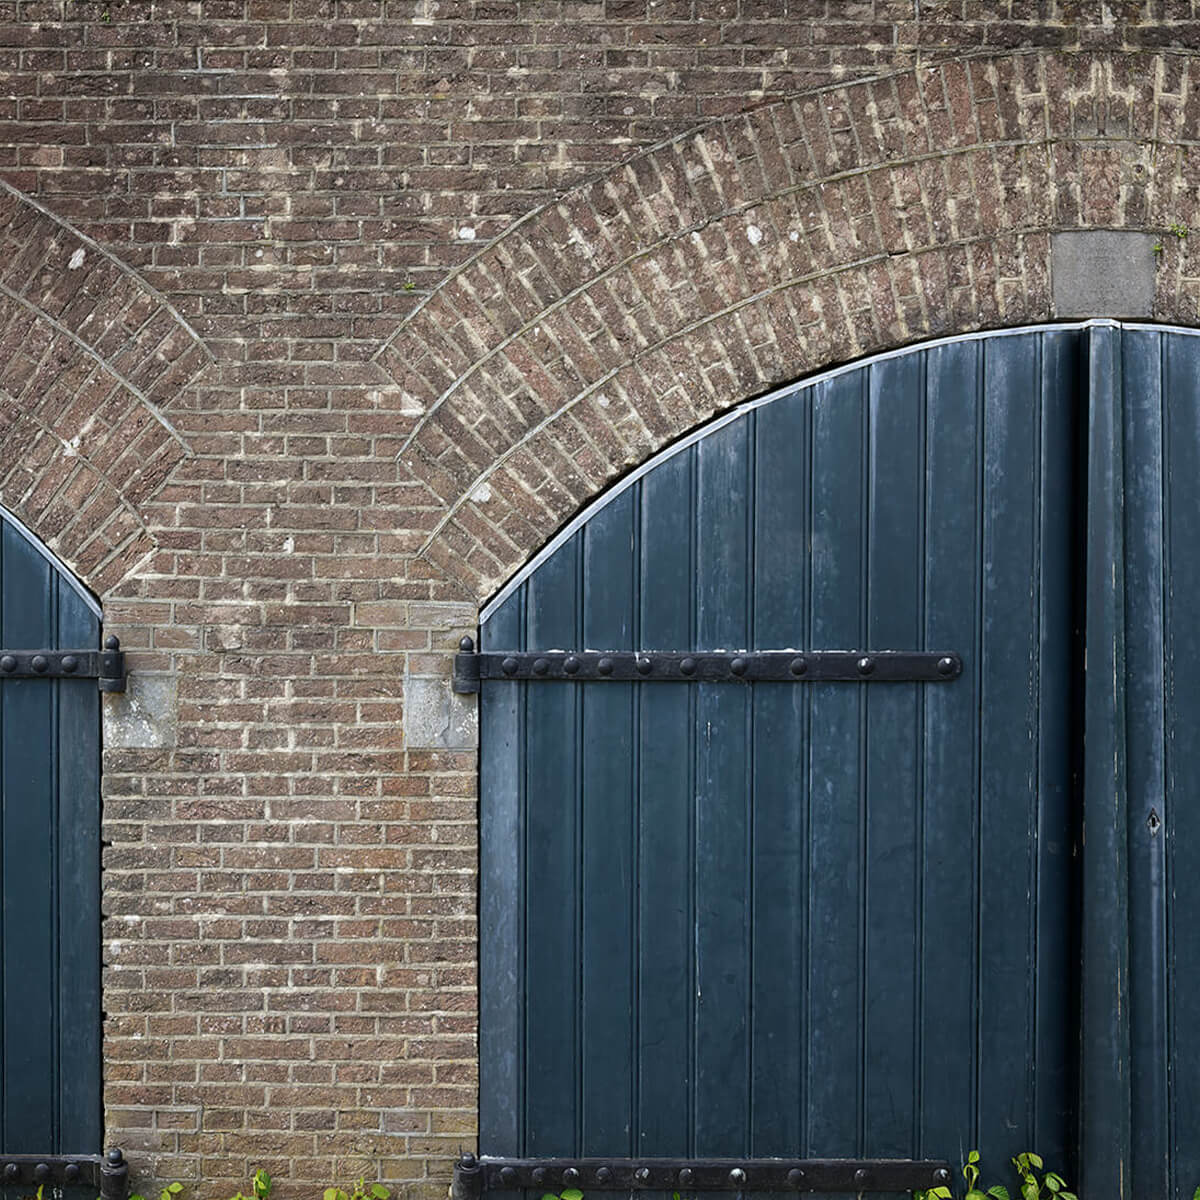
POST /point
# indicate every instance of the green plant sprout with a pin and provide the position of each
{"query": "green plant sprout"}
(358, 1192)
(1049, 1186)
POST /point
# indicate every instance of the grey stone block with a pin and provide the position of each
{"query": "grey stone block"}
(1103, 273)
(437, 718)
(144, 716)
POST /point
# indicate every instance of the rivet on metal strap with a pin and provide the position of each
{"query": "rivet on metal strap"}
(862, 1177)
(571, 665)
(605, 666)
(8, 663)
(39, 663)
(571, 1176)
(508, 1176)
(797, 666)
(603, 1175)
(795, 1177)
(865, 667)
(644, 666)
(945, 666)
(688, 666)
(737, 1176)
(739, 666)
(509, 665)
(540, 666)
(686, 1176)
(642, 1175)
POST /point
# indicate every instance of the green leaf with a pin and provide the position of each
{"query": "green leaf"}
(174, 1188)
(1030, 1189)
(998, 1191)
(379, 1192)
(332, 1193)
(973, 1156)
(1036, 1159)
(572, 1194)
(975, 1194)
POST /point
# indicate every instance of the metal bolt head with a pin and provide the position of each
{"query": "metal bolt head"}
(466, 645)
(941, 1177)
(467, 1161)
(862, 1177)
(739, 666)
(798, 666)
(39, 663)
(644, 666)
(571, 1176)
(795, 1177)
(571, 665)
(603, 1175)
(41, 1172)
(508, 1176)
(688, 666)
(71, 1173)
(686, 1176)
(540, 666)
(642, 1175)
(945, 666)
(865, 666)
(12, 1171)
(605, 666)
(69, 663)
(539, 1176)
(113, 642)
(509, 665)
(8, 663)
(737, 1176)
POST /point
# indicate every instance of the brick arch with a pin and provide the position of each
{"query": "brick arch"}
(89, 354)
(804, 233)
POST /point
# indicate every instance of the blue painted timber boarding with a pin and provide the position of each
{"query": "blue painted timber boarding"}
(863, 919)
(50, 1101)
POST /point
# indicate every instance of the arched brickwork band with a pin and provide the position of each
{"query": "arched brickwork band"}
(88, 354)
(808, 231)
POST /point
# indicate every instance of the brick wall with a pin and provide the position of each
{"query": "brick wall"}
(377, 372)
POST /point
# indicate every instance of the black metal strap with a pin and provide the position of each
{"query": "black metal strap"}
(107, 665)
(739, 666)
(474, 1176)
(109, 1173)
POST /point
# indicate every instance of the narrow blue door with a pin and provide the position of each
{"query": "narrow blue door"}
(49, 864)
(802, 919)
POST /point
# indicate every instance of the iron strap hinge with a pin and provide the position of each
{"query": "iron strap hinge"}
(474, 1176)
(107, 665)
(108, 1174)
(704, 666)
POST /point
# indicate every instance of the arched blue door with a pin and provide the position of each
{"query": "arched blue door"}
(50, 1101)
(866, 919)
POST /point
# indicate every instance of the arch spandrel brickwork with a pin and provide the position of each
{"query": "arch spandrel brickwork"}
(89, 355)
(806, 232)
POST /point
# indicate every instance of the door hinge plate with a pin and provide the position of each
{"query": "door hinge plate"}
(737, 666)
(107, 665)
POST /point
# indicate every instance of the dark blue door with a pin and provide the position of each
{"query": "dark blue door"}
(49, 865)
(868, 919)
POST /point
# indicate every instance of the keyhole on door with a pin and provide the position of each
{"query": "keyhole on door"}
(1152, 822)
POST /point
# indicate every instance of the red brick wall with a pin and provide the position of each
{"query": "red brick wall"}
(264, 427)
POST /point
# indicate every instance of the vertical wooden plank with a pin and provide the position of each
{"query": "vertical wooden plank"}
(502, 966)
(1105, 1096)
(1181, 828)
(666, 832)
(780, 856)
(724, 798)
(894, 583)
(1145, 726)
(835, 1017)
(608, 815)
(29, 786)
(950, 828)
(1055, 1045)
(77, 934)
(1008, 764)
(552, 867)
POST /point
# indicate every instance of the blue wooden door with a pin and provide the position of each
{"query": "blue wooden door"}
(49, 865)
(868, 919)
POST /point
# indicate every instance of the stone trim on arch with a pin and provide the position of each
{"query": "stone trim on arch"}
(806, 232)
(89, 353)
